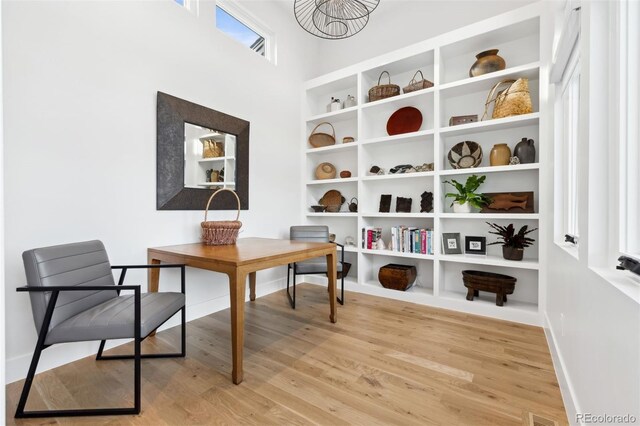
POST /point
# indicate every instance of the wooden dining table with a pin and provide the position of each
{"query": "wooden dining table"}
(238, 261)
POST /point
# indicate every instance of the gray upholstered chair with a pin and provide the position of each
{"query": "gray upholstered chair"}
(319, 234)
(74, 298)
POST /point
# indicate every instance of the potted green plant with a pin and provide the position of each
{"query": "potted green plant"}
(467, 196)
(513, 244)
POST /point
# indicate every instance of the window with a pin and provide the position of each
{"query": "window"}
(629, 127)
(239, 25)
(566, 136)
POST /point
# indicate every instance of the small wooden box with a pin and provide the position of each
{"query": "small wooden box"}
(397, 277)
(463, 119)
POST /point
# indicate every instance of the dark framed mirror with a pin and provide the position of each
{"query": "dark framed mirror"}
(200, 150)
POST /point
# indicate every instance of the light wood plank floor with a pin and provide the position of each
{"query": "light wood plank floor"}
(384, 362)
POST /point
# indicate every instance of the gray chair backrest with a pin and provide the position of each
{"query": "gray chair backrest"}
(75, 264)
(313, 233)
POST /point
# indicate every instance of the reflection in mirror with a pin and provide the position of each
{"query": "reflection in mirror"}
(210, 158)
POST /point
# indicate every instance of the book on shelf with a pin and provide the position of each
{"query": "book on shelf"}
(403, 239)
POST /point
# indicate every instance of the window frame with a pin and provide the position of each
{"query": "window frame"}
(627, 94)
(566, 169)
(254, 24)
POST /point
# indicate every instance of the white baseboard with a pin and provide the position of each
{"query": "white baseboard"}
(566, 389)
(65, 353)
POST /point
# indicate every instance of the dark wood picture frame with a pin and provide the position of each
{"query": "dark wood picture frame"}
(171, 194)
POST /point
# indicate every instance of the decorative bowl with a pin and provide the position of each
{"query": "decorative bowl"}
(465, 155)
(318, 209)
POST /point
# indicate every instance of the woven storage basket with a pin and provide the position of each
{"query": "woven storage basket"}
(417, 84)
(220, 232)
(319, 139)
(325, 171)
(382, 91)
(212, 149)
(514, 100)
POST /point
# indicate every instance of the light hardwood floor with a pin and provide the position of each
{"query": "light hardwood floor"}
(383, 362)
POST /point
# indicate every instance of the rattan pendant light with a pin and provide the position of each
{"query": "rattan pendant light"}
(333, 19)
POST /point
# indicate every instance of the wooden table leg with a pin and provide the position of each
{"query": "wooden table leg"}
(332, 274)
(237, 284)
(153, 280)
(252, 286)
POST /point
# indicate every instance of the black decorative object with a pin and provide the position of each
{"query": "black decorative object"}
(385, 203)
(402, 168)
(629, 264)
(171, 194)
(525, 150)
(477, 281)
(333, 19)
(475, 245)
(426, 204)
(403, 205)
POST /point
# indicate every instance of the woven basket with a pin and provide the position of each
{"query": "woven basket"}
(514, 100)
(318, 140)
(212, 149)
(325, 171)
(417, 84)
(220, 232)
(382, 91)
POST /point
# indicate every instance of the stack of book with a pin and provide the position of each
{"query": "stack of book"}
(407, 239)
(370, 237)
(404, 239)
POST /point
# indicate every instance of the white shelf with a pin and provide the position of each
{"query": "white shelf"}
(494, 169)
(484, 216)
(399, 215)
(350, 249)
(403, 295)
(398, 99)
(339, 214)
(332, 181)
(338, 147)
(444, 60)
(486, 81)
(398, 176)
(492, 125)
(490, 260)
(340, 115)
(216, 184)
(485, 304)
(403, 136)
(215, 159)
(399, 254)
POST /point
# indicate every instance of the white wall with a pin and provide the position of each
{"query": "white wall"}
(398, 23)
(594, 328)
(80, 83)
(2, 317)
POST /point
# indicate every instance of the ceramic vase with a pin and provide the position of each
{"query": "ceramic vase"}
(487, 61)
(500, 155)
(525, 150)
(461, 208)
(512, 253)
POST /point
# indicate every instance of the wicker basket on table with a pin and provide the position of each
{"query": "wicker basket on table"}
(220, 232)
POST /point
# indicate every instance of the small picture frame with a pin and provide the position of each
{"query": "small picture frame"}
(475, 245)
(451, 243)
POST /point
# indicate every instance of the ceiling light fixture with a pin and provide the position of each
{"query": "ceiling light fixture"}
(333, 19)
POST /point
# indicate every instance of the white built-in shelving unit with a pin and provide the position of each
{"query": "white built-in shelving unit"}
(445, 60)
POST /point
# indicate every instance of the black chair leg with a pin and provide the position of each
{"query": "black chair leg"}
(341, 298)
(292, 299)
(40, 345)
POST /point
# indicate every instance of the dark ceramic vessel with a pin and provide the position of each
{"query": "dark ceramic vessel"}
(525, 151)
(487, 61)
